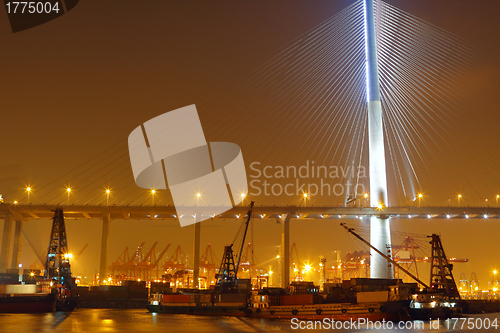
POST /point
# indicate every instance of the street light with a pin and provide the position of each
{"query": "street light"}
(153, 192)
(419, 198)
(305, 199)
(498, 196)
(459, 197)
(243, 195)
(198, 195)
(28, 189)
(107, 196)
(69, 192)
(366, 195)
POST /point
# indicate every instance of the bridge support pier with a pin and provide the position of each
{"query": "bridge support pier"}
(380, 237)
(16, 251)
(4, 254)
(285, 249)
(103, 267)
(196, 252)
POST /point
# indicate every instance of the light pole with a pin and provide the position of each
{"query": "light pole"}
(28, 189)
(305, 199)
(243, 195)
(459, 197)
(107, 196)
(153, 192)
(498, 196)
(270, 275)
(69, 192)
(419, 198)
(366, 199)
(494, 279)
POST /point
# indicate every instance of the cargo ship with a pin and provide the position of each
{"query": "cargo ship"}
(382, 299)
(341, 302)
(389, 300)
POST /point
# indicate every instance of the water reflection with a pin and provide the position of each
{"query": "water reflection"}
(109, 320)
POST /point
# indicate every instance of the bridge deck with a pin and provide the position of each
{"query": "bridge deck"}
(29, 212)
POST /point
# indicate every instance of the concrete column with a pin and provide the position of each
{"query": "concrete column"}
(380, 233)
(380, 238)
(103, 267)
(196, 252)
(4, 254)
(285, 248)
(16, 251)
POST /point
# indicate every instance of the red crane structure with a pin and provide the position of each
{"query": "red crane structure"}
(295, 260)
(247, 265)
(208, 266)
(139, 265)
(176, 269)
(354, 263)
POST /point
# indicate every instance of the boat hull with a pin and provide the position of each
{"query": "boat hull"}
(28, 303)
(391, 311)
(204, 310)
(434, 313)
(339, 312)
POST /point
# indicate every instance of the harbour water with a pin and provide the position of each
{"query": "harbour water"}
(110, 320)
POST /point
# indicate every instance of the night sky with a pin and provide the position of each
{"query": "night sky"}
(73, 89)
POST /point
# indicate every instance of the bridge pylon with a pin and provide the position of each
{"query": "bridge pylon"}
(380, 233)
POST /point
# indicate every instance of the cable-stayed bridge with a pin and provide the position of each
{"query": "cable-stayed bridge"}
(324, 74)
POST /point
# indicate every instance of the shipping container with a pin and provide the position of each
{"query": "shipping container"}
(175, 298)
(372, 296)
(19, 289)
(297, 299)
(231, 298)
(134, 283)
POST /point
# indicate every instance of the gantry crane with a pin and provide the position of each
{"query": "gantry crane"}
(208, 265)
(160, 256)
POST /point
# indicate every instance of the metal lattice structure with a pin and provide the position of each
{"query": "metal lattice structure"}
(208, 266)
(441, 276)
(226, 278)
(405, 255)
(57, 266)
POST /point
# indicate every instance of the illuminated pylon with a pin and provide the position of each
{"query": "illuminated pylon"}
(380, 234)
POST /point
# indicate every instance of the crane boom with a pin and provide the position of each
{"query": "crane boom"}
(162, 254)
(81, 251)
(351, 230)
(148, 255)
(249, 216)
